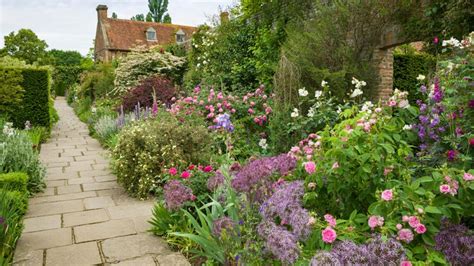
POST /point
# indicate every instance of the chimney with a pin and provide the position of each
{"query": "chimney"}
(224, 17)
(101, 12)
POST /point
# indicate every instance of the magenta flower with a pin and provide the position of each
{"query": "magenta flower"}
(405, 235)
(445, 189)
(405, 263)
(413, 221)
(172, 171)
(451, 154)
(387, 195)
(207, 169)
(420, 229)
(185, 175)
(330, 219)
(329, 235)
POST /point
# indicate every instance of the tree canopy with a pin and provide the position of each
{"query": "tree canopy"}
(157, 12)
(25, 45)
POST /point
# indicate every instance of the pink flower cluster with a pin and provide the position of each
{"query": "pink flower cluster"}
(306, 147)
(406, 234)
(451, 187)
(365, 124)
(399, 98)
(468, 177)
(186, 174)
(375, 221)
(310, 167)
(387, 195)
(329, 234)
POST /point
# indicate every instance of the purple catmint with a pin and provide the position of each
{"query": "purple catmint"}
(456, 242)
(215, 181)
(176, 194)
(223, 224)
(279, 241)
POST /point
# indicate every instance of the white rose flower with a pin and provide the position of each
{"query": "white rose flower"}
(324, 83)
(318, 94)
(263, 144)
(420, 77)
(295, 113)
(303, 92)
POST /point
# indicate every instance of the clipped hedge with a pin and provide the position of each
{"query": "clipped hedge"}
(15, 181)
(34, 105)
(64, 77)
(406, 67)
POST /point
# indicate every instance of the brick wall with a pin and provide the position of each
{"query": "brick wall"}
(383, 59)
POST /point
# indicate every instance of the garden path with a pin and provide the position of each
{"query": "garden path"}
(84, 217)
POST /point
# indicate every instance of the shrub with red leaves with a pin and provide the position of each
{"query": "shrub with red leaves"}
(143, 93)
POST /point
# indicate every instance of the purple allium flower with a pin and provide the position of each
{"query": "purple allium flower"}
(223, 224)
(254, 177)
(285, 203)
(456, 243)
(279, 241)
(451, 154)
(215, 181)
(323, 258)
(176, 194)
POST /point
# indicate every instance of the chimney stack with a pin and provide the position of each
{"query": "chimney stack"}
(101, 12)
(224, 17)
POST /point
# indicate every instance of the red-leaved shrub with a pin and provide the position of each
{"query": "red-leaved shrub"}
(143, 93)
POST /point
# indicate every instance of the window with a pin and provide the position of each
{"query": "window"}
(151, 34)
(180, 36)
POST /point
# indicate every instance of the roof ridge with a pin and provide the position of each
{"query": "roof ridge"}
(151, 22)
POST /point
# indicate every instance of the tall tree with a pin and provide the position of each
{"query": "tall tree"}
(158, 11)
(138, 17)
(25, 45)
(65, 58)
(114, 15)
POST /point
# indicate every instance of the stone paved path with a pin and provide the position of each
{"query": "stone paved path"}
(84, 217)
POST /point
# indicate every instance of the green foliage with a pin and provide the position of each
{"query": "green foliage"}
(97, 82)
(64, 77)
(17, 155)
(139, 65)
(25, 45)
(33, 106)
(11, 211)
(15, 181)
(158, 9)
(12, 62)
(65, 58)
(145, 149)
(11, 92)
(407, 67)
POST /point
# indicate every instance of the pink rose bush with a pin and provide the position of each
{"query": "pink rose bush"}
(329, 235)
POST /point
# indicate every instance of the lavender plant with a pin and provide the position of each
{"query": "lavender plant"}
(457, 243)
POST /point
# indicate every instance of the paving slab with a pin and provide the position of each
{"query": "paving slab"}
(45, 239)
(122, 248)
(42, 223)
(98, 202)
(105, 230)
(78, 254)
(84, 217)
(49, 208)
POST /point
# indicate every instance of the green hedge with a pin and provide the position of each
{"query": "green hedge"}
(15, 181)
(33, 106)
(406, 67)
(64, 77)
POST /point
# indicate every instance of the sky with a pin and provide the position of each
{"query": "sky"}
(71, 24)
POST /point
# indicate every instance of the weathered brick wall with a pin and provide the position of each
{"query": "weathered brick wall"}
(383, 59)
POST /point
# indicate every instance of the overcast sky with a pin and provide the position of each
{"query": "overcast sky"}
(71, 24)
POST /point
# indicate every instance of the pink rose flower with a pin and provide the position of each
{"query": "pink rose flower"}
(468, 177)
(387, 195)
(399, 226)
(375, 221)
(405, 263)
(172, 171)
(330, 219)
(405, 218)
(310, 167)
(251, 111)
(329, 235)
(405, 235)
(420, 229)
(185, 175)
(392, 103)
(445, 189)
(207, 169)
(413, 221)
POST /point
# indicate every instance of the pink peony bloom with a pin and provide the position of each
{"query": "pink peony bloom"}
(405, 263)
(335, 165)
(468, 177)
(399, 226)
(251, 111)
(207, 169)
(310, 167)
(405, 218)
(375, 221)
(172, 171)
(330, 219)
(405, 235)
(413, 221)
(420, 229)
(185, 175)
(295, 149)
(387, 195)
(445, 189)
(329, 235)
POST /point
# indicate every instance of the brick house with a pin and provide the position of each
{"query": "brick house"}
(115, 37)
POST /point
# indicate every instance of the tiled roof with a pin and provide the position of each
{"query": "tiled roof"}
(126, 34)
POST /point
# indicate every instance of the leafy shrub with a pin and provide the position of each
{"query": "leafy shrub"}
(106, 127)
(11, 212)
(11, 92)
(139, 65)
(96, 83)
(162, 87)
(15, 181)
(17, 155)
(33, 106)
(407, 67)
(146, 148)
(64, 77)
